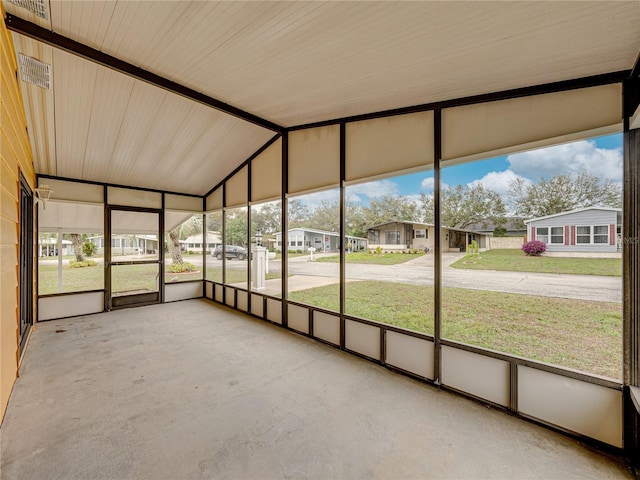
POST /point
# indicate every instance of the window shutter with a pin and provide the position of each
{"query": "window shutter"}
(612, 234)
(533, 233)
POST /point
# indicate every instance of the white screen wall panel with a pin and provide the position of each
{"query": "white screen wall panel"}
(214, 200)
(478, 375)
(134, 198)
(182, 291)
(242, 301)
(495, 128)
(182, 203)
(585, 408)
(362, 338)
(326, 327)
(314, 159)
(230, 296)
(409, 353)
(73, 191)
(218, 290)
(298, 318)
(70, 305)
(274, 310)
(209, 289)
(266, 174)
(237, 188)
(257, 305)
(390, 144)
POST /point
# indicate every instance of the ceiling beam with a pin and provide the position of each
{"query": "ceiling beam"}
(31, 30)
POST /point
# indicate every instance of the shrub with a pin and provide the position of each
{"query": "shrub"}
(86, 263)
(378, 249)
(89, 249)
(534, 248)
(182, 267)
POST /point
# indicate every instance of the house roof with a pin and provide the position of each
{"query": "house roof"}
(212, 237)
(139, 87)
(466, 230)
(569, 212)
(320, 232)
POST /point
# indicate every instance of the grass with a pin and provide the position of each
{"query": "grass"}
(516, 261)
(373, 258)
(584, 335)
(126, 278)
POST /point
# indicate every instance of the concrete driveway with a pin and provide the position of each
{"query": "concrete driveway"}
(420, 272)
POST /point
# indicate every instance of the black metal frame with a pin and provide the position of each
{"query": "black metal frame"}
(150, 298)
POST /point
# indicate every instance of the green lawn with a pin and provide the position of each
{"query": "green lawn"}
(373, 258)
(584, 335)
(126, 278)
(516, 261)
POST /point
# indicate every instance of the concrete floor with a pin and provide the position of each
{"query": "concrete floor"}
(192, 390)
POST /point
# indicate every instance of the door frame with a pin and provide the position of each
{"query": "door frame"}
(26, 262)
(140, 299)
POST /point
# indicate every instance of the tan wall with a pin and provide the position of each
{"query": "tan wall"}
(15, 157)
(496, 243)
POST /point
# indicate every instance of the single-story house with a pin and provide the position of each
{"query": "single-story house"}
(302, 238)
(193, 243)
(48, 247)
(398, 235)
(127, 244)
(514, 226)
(592, 229)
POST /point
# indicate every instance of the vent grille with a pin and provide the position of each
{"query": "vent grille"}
(39, 7)
(34, 71)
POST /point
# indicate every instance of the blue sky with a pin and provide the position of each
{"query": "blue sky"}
(602, 156)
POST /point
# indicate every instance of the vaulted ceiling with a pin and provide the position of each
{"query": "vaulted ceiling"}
(288, 63)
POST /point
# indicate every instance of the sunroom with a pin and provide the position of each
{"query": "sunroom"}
(132, 128)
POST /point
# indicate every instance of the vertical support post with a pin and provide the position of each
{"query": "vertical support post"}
(161, 251)
(343, 259)
(250, 245)
(224, 242)
(631, 267)
(107, 253)
(437, 248)
(284, 254)
(59, 246)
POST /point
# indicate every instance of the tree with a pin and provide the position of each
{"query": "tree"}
(562, 193)
(390, 207)
(174, 246)
(77, 241)
(299, 214)
(236, 229)
(267, 218)
(464, 205)
(325, 216)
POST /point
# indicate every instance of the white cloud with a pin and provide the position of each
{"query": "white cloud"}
(568, 159)
(498, 181)
(373, 189)
(428, 183)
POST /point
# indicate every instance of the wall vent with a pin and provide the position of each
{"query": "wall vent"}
(34, 71)
(39, 7)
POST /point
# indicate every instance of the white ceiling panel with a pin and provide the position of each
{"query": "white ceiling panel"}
(39, 108)
(290, 63)
(111, 128)
(299, 62)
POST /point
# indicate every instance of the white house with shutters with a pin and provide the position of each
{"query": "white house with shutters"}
(592, 229)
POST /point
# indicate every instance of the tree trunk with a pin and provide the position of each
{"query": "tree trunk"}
(76, 239)
(174, 248)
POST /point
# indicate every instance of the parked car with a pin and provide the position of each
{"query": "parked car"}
(231, 251)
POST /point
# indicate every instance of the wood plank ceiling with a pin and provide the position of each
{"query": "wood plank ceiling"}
(290, 63)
